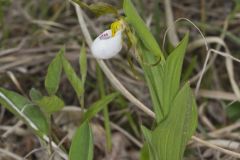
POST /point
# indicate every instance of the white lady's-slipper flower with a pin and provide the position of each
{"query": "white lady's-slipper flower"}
(109, 43)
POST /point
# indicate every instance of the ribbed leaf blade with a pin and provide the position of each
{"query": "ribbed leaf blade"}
(169, 139)
(172, 74)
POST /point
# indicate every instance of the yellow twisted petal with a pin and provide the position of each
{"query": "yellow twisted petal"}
(116, 26)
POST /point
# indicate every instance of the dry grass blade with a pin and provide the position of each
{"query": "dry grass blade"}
(228, 152)
(229, 67)
(232, 145)
(10, 154)
(12, 50)
(201, 42)
(220, 95)
(172, 34)
(225, 129)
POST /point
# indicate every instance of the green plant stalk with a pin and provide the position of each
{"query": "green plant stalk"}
(83, 72)
(100, 80)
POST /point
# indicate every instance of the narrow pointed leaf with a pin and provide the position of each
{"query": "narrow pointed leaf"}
(54, 74)
(72, 77)
(83, 63)
(98, 106)
(82, 144)
(164, 79)
(141, 29)
(172, 74)
(25, 110)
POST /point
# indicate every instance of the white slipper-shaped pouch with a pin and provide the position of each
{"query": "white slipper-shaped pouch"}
(107, 46)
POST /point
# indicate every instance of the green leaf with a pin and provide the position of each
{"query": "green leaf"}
(141, 29)
(50, 104)
(25, 110)
(83, 63)
(72, 77)
(82, 144)
(163, 79)
(54, 74)
(98, 8)
(169, 139)
(172, 74)
(98, 106)
(35, 94)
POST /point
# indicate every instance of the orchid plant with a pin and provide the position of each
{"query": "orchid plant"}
(174, 106)
(172, 100)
